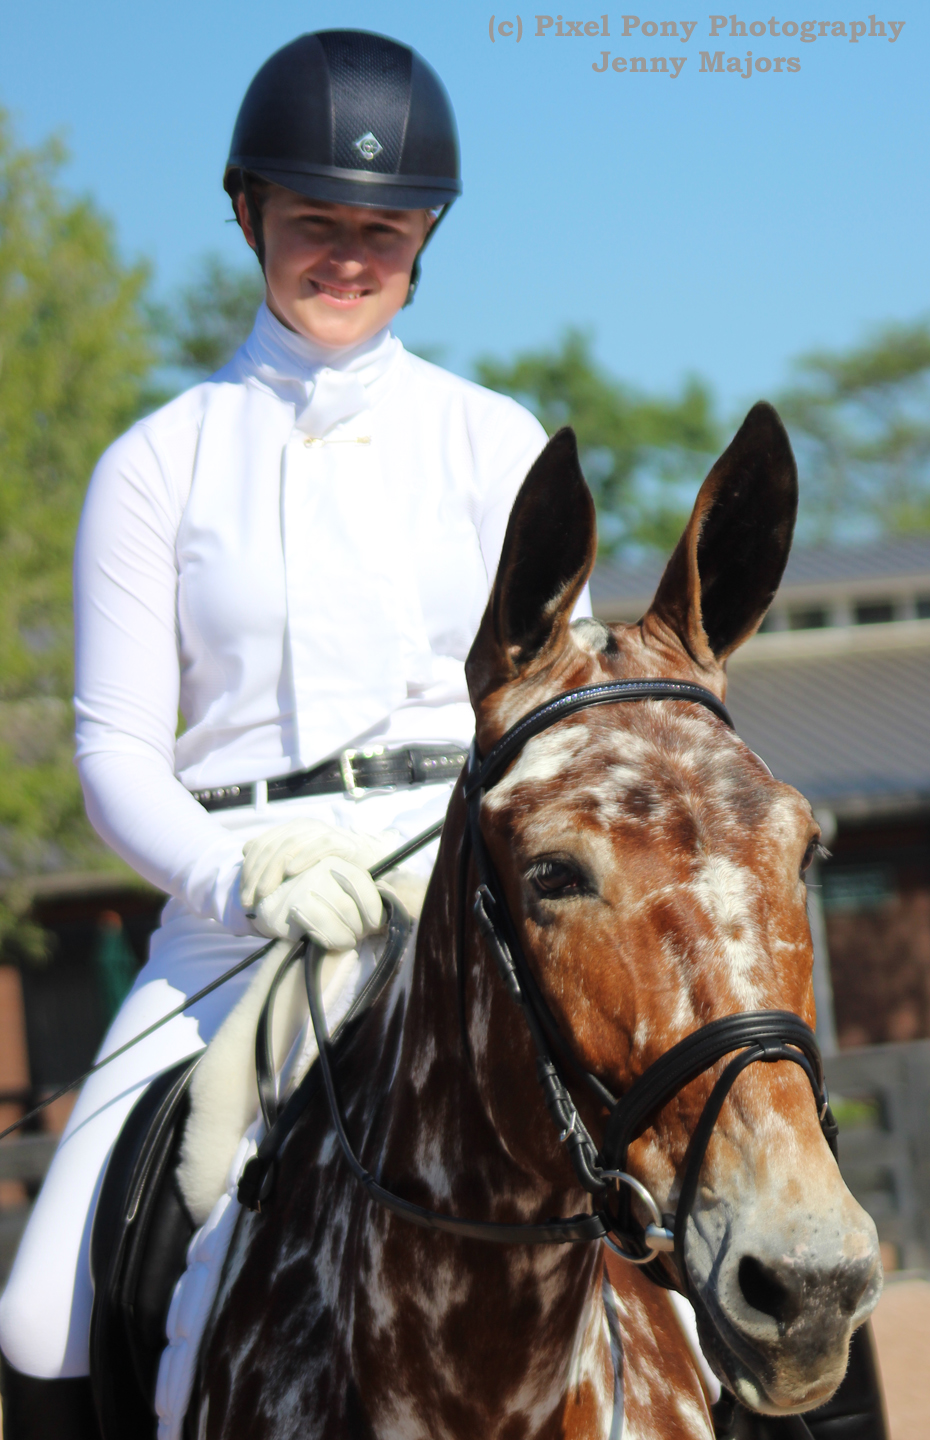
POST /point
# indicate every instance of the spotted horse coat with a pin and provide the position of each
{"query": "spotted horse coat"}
(654, 870)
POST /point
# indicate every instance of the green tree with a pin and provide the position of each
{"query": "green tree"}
(75, 350)
(860, 421)
(643, 456)
(211, 317)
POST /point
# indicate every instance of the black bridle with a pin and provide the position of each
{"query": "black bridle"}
(762, 1035)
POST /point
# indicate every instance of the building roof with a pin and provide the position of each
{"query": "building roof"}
(53, 884)
(892, 564)
(896, 558)
(842, 715)
(841, 711)
(615, 586)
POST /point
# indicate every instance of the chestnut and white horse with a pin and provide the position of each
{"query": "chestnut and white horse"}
(654, 870)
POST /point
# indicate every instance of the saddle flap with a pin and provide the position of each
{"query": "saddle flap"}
(139, 1245)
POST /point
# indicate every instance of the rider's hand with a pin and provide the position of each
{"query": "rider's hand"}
(287, 850)
(335, 902)
(305, 877)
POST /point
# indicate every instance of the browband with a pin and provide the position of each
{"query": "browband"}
(615, 692)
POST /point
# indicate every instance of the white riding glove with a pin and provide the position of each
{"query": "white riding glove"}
(309, 878)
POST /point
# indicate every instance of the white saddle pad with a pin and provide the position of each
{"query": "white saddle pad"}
(224, 1102)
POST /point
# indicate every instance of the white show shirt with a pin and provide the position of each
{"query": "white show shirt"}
(296, 554)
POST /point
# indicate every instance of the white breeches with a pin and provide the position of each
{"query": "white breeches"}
(46, 1307)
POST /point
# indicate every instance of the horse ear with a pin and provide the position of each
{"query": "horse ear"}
(547, 555)
(727, 565)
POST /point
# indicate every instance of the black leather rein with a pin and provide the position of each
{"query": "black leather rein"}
(764, 1035)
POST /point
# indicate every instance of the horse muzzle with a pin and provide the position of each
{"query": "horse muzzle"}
(779, 1296)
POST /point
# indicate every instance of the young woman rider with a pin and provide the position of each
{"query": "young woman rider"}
(296, 554)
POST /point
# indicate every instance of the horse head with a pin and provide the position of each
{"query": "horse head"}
(654, 872)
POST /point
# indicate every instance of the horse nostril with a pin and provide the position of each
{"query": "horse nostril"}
(764, 1291)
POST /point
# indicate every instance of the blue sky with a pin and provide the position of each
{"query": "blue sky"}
(710, 223)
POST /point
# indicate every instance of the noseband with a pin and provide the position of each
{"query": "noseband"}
(760, 1035)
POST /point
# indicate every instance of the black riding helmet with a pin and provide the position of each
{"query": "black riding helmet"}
(350, 117)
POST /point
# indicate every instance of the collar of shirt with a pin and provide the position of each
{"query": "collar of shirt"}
(327, 386)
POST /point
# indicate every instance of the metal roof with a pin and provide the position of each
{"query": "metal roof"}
(56, 884)
(616, 585)
(850, 730)
(841, 712)
(897, 557)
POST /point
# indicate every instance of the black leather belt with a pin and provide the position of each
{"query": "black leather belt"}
(354, 772)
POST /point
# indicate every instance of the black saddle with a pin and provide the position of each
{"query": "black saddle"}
(142, 1228)
(141, 1232)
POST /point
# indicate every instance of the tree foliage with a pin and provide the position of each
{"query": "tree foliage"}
(210, 318)
(860, 421)
(74, 352)
(642, 455)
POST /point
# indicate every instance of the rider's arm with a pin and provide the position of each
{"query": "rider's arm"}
(127, 684)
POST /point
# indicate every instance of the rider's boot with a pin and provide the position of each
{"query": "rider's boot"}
(46, 1409)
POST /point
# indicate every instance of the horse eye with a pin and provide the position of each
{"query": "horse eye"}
(554, 878)
(814, 848)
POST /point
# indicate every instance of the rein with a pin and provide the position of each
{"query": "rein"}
(390, 862)
(763, 1035)
(767, 1035)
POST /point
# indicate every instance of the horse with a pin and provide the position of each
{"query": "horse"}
(652, 871)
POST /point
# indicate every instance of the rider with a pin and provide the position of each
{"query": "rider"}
(296, 554)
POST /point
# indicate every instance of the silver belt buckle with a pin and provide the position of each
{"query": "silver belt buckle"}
(353, 789)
